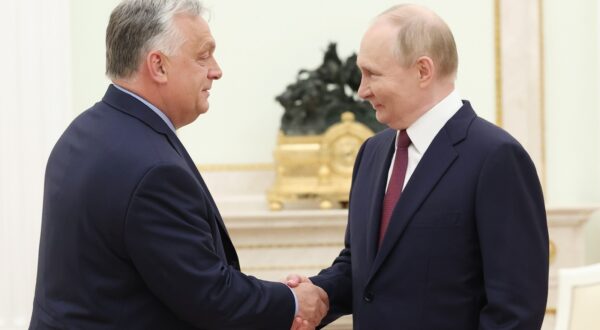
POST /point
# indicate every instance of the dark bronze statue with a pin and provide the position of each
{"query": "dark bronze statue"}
(318, 97)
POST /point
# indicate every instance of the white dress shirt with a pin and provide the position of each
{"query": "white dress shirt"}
(424, 130)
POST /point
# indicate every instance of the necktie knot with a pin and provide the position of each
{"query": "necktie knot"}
(403, 139)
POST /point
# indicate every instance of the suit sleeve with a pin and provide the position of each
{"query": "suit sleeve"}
(171, 246)
(337, 279)
(513, 235)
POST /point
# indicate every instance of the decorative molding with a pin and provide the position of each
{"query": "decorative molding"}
(336, 218)
(289, 245)
(542, 93)
(552, 251)
(498, 61)
(235, 167)
(282, 267)
(520, 76)
(569, 216)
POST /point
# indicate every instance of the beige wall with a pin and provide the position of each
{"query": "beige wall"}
(261, 45)
(88, 22)
(572, 41)
(573, 120)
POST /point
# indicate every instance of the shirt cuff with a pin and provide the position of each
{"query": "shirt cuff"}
(295, 301)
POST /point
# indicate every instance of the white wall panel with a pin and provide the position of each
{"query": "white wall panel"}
(572, 105)
(34, 110)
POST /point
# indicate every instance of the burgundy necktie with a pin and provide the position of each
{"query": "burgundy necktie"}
(396, 182)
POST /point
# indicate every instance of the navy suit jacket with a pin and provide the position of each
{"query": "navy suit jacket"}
(132, 239)
(467, 244)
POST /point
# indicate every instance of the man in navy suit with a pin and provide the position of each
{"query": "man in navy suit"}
(131, 237)
(447, 225)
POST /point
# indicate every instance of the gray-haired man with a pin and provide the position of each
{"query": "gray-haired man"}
(131, 237)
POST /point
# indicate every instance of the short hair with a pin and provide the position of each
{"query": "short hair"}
(137, 27)
(421, 32)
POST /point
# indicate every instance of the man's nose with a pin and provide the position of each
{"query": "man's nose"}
(363, 90)
(215, 72)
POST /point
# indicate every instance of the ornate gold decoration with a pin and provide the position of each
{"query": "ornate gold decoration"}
(552, 251)
(317, 166)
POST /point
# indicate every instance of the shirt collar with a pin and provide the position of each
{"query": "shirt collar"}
(149, 105)
(423, 131)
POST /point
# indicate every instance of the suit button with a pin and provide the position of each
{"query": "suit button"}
(368, 297)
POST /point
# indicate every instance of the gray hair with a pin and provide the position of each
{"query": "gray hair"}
(421, 32)
(137, 27)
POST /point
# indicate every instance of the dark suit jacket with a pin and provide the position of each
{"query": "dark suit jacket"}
(132, 239)
(467, 245)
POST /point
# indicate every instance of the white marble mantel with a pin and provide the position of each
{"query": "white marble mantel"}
(273, 244)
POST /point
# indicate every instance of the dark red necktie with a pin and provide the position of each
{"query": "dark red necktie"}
(394, 189)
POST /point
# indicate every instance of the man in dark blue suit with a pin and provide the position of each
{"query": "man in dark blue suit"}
(447, 225)
(131, 237)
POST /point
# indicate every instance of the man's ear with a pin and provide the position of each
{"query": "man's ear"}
(425, 69)
(156, 63)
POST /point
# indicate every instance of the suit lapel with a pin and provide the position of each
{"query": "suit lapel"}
(183, 152)
(383, 158)
(229, 250)
(133, 107)
(435, 162)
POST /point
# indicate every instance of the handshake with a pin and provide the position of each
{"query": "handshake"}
(313, 302)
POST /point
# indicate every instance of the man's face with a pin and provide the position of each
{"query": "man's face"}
(392, 89)
(191, 71)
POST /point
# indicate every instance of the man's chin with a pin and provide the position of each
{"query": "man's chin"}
(382, 118)
(203, 108)
(200, 113)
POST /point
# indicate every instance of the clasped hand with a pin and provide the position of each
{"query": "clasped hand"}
(313, 302)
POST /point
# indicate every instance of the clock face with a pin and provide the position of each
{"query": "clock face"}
(344, 151)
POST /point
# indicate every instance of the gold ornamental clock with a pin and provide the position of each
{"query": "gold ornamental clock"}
(317, 167)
